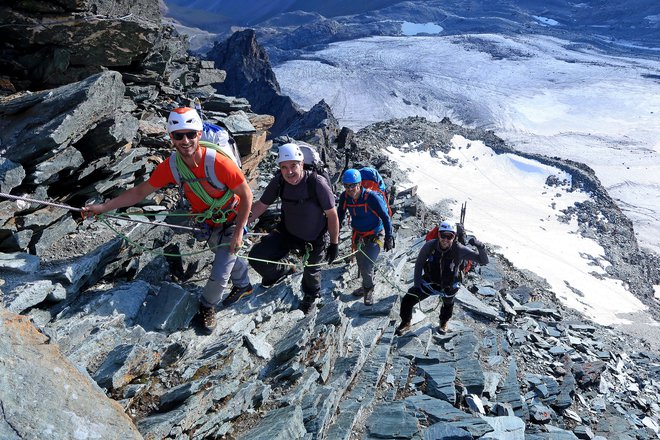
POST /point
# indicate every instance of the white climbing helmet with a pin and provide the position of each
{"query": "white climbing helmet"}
(446, 227)
(289, 152)
(184, 118)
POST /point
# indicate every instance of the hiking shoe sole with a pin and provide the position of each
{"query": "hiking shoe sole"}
(402, 328)
(236, 294)
(369, 297)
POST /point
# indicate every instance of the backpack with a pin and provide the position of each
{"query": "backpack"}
(312, 161)
(220, 138)
(371, 179)
(217, 137)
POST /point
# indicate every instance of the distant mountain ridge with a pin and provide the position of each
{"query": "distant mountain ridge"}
(218, 15)
(605, 24)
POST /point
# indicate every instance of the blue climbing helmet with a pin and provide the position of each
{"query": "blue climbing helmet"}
(351, 175)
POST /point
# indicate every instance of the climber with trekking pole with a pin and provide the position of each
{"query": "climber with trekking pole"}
(370, 221)
(438, 271)
(217, 192)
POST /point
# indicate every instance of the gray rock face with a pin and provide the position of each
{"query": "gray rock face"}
(11, 175)
(170, 310)
(392, 421)
(249, 75)
(65, 43)
(280, 424)
(440, 381)
(55, 399)
(41, 125)
(19, 262)
(32, 293)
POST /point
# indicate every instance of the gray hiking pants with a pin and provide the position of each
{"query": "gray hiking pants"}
(366, 258)
(225, 266)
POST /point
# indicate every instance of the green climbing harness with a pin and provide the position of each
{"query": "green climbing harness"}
(184, 174)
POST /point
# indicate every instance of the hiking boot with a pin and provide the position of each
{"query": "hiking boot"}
(266, 284)
(444, 327)
(359, 292)
(307, 303)
(209, 321)
(237, 293)
(369, 297)
(404, 327)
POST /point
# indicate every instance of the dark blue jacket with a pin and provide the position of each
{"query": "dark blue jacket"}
(368, 212)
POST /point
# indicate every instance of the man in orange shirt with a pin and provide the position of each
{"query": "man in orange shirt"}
(223, 186)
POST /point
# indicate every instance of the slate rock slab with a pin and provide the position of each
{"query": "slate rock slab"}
(281, 424)
(392, 420)
(19, 262)
(56, 400)
(440, 411)
(173, 308)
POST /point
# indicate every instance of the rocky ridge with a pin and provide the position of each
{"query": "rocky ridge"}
(514, 361)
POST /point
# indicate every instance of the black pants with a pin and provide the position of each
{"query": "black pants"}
(276, 246)
(416, 295)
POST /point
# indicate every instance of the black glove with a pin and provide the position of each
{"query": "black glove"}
(333, 250)
(389, 243)
(460, 232)
(476, 243)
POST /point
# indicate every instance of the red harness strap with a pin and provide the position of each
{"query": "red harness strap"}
(357, 235)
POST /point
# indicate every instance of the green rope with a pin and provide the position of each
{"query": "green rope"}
(325, 263)
(152, 251)
(215, 205)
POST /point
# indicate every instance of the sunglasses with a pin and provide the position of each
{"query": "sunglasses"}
(351, 185)
(447, 236)
(189, 134)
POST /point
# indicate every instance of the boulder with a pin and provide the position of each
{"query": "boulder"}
(62, 44)
(55, 400)
(40, 126)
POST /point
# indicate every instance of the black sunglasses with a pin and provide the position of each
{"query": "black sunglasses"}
(447, 236)
(189, 134)
(351, 185)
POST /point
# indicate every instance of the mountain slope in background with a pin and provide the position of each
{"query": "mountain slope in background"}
(219, 15)
(629, 26)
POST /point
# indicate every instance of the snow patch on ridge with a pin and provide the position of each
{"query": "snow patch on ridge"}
(510, 206)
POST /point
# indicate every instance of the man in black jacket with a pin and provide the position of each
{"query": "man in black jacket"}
(437, 271)
(308, 216)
